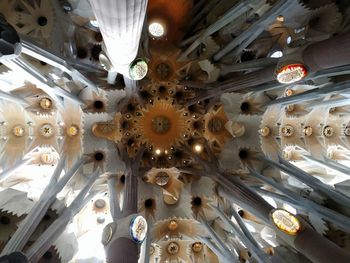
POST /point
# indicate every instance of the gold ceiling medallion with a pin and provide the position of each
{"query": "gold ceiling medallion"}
(173, 248)
(109, 130)
(73, 130)
(47, 130)
(215, 130)
(286, 221)
(18, 131)
(168, 180)
(173, 225)
(162, 125)
(45, 103)
(197, 247)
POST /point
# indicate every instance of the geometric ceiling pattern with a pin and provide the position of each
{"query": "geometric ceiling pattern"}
(174, 131)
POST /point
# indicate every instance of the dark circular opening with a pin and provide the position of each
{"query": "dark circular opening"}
(162, 160)
(179, 95)
(99, 156)
(95, 52)
(249, 254)
(43, 63)
(191, 108)
(98, 37)
(5, 220)
(244, 106)
(42, 21)
(47, 217)
(131, 107)
(144, 94)
(197, 125)
(47, 255)
(162, 89)
(130, 142)
(241, 213)
(178, 154)
(197, 201)
(148, 203)
(122, 179)
(190, 141)
(81, 53)
(243, 154)
(98, 104)
(246, 56)
(125, 125)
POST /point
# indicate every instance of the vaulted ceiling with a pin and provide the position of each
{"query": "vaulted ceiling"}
(224, 124)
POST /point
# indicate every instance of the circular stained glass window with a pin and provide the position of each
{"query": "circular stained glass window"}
(138, 229)
(286, 221)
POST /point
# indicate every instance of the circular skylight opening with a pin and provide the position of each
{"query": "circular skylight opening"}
(156, 29)
(138, 69)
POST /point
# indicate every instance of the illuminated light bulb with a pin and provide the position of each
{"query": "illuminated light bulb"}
(291, 73)
(198, 148)
(286, 221)
(156, 29)
(158, 151)
(18, 131)
(138, 69)
(73, 130)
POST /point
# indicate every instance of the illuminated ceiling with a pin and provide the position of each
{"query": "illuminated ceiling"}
(224, 124)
